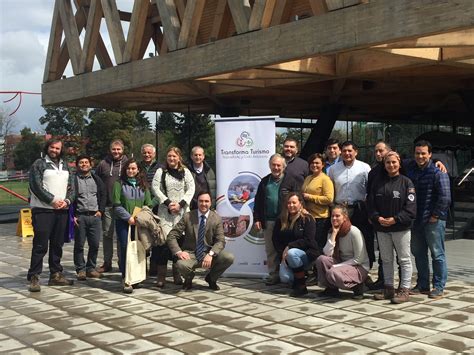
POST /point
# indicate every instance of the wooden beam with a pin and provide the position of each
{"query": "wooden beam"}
(268, 13)
(315, 36)
(112, 19)
(240, 10)
(318, 7)
(342, 67)
(136, 30)
(170, 22)
(323, 65)
(190, 23)
(452, 39)
(54, 46)
(455, 54)
(255, 22)
(220, 25)
(425, 53)
(281, 12)
(71, 34)
(91, 36)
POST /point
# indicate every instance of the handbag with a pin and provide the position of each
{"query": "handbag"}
(135, 266)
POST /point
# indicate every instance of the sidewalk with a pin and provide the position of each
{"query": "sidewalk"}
(244, 317)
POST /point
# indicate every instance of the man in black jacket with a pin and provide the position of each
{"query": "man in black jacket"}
(204, 176)
(270, 197)
(89, 208)
(296, 167)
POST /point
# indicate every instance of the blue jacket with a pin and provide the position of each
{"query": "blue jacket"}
(433, 192)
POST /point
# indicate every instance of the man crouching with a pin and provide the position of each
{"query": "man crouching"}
(201, 236)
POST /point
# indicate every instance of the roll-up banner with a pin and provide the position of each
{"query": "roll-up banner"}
(243, 147)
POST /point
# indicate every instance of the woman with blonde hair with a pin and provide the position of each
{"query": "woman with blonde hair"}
(345, 263)
(173, 187)
(293, 238)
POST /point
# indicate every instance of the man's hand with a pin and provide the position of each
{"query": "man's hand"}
(98, 214)
(131, 221)
(441, 166)
(76, 221)
(258, 226)
(433, 219)
(182, 255)
(386, 222)
(57, 205)
(207, 261)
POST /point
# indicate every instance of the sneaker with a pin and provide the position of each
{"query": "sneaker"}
(358, 292)
(34, 284)
(386, 294)
(127, 288)
(436, 294)
(419, 291)
(94, 274)
(81, 276)
(58, 279)
(402, 295)
(105, 267)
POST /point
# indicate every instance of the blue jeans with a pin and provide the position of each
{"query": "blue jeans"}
(296, 258)
(122, 241)
(90, 229)
(430, 236)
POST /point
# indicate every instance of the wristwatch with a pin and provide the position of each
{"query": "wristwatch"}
(211, 253)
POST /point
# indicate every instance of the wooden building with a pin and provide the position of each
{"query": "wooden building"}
(370, 60)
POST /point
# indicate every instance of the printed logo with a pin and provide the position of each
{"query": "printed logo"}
(396, 194)
(244, 140)
(411, 197)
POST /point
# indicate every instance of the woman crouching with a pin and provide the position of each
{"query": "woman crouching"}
(345, 264)
(293, 238)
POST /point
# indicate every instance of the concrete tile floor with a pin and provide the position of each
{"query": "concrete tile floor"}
(244, 317)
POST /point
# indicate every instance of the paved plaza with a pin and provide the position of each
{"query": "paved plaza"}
(244, 317)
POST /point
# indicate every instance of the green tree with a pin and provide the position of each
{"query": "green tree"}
(64, 121)
(107, 125)
(28, 150)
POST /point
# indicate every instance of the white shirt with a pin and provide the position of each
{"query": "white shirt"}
(350, 183)
(206, 215)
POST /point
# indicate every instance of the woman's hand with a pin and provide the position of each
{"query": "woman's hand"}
(306, 196)
(131, 221)
(284, 255)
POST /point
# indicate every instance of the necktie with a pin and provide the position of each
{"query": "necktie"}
(200, 246)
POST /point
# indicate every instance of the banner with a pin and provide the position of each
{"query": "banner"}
(243, 147)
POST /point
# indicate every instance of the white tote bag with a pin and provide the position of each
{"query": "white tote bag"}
(135, 268)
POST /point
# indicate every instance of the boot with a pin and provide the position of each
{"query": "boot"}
(387, 293)
(177, 279)
(34, 284)
(358, 292)
(402, 295)
(105, 267)
(58, 279)
(161, 275)
(299, 283)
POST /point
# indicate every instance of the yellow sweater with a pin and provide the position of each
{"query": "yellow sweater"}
(321, 195)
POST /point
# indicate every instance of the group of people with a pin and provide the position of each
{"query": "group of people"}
(106, 201)
(322, 214)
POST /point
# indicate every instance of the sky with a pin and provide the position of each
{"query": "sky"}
(24, 35)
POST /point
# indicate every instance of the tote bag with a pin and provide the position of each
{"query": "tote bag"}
(135, 267)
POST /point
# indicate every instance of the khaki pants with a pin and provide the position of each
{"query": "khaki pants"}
(272, 256)
(220, 263)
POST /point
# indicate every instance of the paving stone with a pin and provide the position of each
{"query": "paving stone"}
(45, 337)
(26, 330)
(252, 309)
(278, 330)
(310, 322)
(197, 308)
(409, 331)
(309, 308)
(428, 309)
(241, 339)
(128, 321)
(15, 321)
(136, 346)
(400, 316)
(86, 329)
(175, 338)
(221, 316)
(274, 347)
(339, 315)
(464, 331)
(71, 346)
(436, 323)
(123, 302)
(451, 342)
(372, 323)
(310, 340)
(248, 322)
(419, 348)
(342, 331)
(206, 346)
(459, 316)
(108, 338)
(95, 351)
(10, 344)
(346, 347)
(228, 303)
(368, 309)
(142, 308)
(150, 329)
(279, 315)
(378, 340)
(186, 322)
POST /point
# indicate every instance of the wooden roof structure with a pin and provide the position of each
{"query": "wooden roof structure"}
(377, 60)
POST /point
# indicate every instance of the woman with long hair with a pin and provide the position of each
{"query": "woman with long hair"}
(318, 193)
(345, 263)
(392, 210)
(293, 238)
(129, 192)
(173, 186)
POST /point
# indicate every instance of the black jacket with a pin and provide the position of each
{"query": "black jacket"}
(301, 236)
(287, 185)
(392, 197)
(101, 192)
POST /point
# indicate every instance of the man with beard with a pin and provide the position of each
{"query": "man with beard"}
(296, 167)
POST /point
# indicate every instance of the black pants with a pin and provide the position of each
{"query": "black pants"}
(322, 229)
(49, 227)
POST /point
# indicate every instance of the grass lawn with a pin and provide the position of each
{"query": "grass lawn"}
(20, 187)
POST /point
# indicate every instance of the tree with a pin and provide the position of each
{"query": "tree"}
(28, 150)
(7, 123)
(107, 125)
(64, 121)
